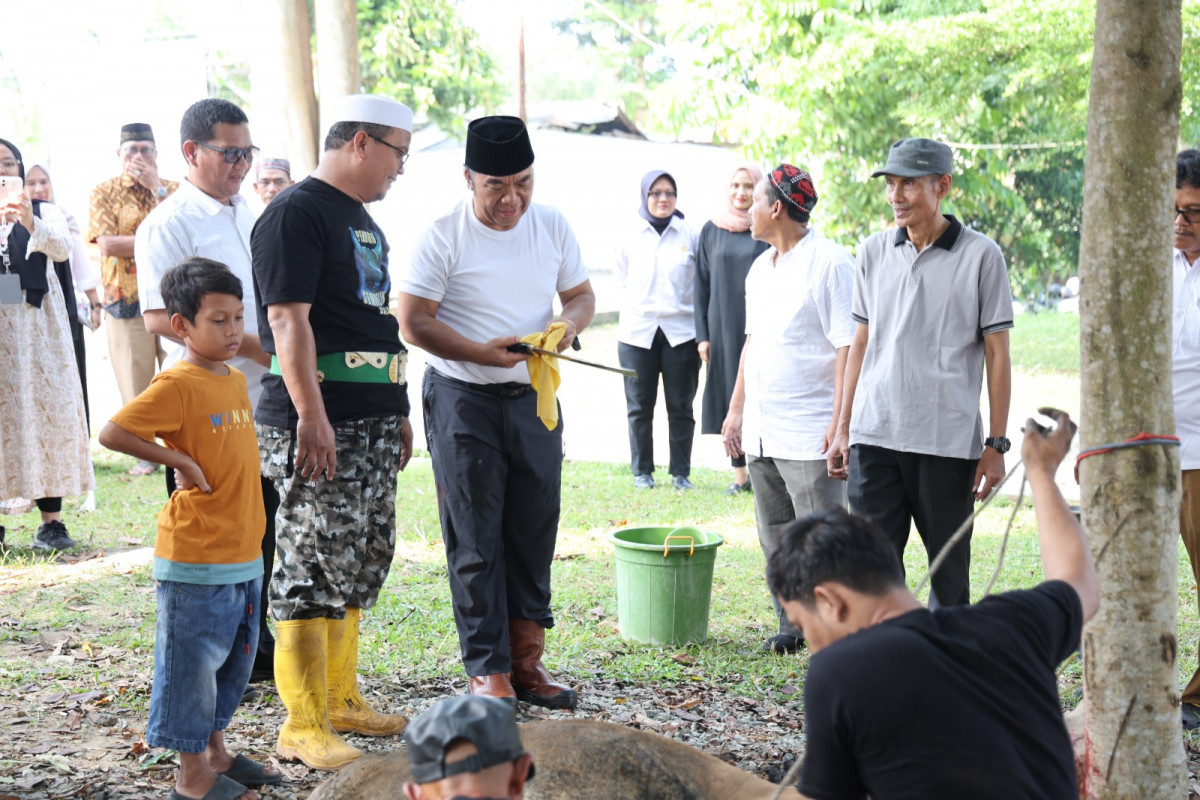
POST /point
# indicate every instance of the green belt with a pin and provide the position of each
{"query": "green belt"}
(356, 367)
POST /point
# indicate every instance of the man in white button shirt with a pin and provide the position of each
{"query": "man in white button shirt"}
(798, 334)
(1186, 378)
(207, 217)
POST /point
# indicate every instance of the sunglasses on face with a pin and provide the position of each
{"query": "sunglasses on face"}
(233, 154)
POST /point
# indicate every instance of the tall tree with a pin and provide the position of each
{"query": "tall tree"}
(1130, 497)
(833, 82)
(284, 99)
(338, 72)
(421, 53)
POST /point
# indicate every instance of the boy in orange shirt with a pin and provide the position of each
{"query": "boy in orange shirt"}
(207, 555)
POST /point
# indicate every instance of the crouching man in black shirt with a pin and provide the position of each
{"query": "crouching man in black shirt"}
(904, 702)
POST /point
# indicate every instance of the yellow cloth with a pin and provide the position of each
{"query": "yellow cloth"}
(543, 372)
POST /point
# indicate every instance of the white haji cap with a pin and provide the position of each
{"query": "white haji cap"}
(374, 109)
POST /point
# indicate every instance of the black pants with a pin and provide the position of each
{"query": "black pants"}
(679, 367)
(499, 480)
(894, 489)
(266, 642)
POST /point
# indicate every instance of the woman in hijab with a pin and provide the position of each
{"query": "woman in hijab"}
(76, 276)
(656, 270)
(723, 259)
(43, 430)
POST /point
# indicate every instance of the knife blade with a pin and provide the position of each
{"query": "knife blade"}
(523, 347)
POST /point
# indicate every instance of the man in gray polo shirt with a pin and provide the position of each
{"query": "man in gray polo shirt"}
(933, 306)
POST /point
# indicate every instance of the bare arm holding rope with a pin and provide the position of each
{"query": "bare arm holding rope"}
(1066, 555)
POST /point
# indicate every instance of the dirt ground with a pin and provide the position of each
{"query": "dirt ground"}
(83, 741)
(80, 739)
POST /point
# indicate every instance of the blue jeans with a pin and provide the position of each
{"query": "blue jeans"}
(203, 651)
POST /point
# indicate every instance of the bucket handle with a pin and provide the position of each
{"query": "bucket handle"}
(667, 545)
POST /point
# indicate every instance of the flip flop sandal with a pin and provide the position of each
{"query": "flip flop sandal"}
(223, 789)
(249, 772)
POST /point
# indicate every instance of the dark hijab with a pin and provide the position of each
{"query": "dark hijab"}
(659, 224)
(32, 269)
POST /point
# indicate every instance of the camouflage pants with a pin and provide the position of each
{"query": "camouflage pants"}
(334, 539)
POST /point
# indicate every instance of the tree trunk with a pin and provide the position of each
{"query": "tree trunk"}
(338, 71)
(1131, 497)
(285, 103)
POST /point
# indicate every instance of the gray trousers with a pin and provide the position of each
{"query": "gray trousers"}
(785, 490)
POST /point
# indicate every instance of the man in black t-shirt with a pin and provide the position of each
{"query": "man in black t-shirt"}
(333, 424)
(904, 702)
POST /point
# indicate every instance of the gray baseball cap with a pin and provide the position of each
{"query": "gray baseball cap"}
(912, 158)
(486, 722)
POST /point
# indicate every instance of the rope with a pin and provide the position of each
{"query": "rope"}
(789, 777)
(1004, 541)
(1140, 440)
(966, 526)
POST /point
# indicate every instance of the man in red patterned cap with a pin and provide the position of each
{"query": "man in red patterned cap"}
(484, 275)
(798, 332)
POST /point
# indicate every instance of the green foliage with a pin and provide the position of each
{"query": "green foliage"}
(626, 46)
(831, 83)
(422, 53)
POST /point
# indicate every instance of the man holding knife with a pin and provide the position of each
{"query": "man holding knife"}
(484, 275)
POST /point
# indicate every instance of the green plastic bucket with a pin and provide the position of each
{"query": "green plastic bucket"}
(664, 583)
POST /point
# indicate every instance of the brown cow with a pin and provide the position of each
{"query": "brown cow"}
(581, 759)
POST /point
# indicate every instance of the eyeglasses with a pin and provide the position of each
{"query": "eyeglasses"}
(145, 150)
(1190, 215)
(233, 154)
(402, 153)
(666, 195)
(7, 165)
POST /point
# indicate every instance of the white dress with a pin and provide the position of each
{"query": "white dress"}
(44, 445)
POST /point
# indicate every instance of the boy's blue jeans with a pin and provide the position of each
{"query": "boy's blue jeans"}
(203, 652)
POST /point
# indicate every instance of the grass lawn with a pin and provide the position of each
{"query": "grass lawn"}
(69, 623)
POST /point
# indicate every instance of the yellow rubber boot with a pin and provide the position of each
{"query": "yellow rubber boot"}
(306, 735)
(348, 710)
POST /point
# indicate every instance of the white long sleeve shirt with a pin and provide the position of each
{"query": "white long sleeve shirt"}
(1185, 356)
(657, 276)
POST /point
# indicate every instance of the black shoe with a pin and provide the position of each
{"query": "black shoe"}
(643, 482)
(1189, 715)
(782, 644)
(681, 483)
(738, 488)
(52, 536)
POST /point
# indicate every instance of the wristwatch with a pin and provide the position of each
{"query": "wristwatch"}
(999, 443)
(161, 193)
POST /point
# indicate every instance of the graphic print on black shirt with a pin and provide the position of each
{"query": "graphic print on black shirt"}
(371, 260)
(316, 245)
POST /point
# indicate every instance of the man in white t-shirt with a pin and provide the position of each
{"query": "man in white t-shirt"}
(798, 332)
(207, 217)
(1186, 378)
(482, 276)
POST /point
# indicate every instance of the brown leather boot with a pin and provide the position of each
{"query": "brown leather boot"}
(498, 686)
(527, 640)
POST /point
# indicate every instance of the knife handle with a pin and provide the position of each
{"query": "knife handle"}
(575, 344)
(519, 347)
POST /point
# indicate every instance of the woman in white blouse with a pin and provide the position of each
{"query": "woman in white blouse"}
(656, 270)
